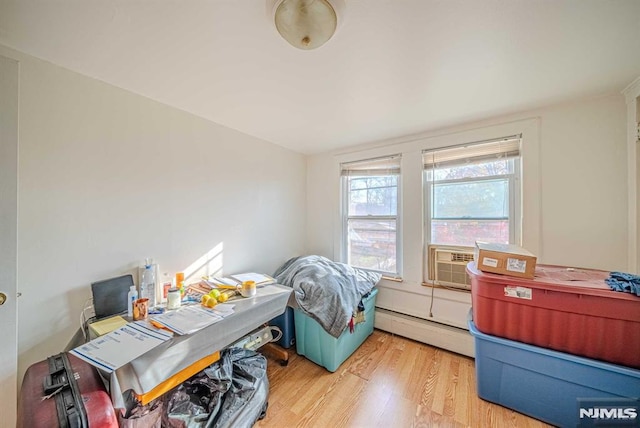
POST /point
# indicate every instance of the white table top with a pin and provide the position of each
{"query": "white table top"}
(154, 367)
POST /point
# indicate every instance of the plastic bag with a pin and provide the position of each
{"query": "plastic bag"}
(232, 392)
(136, 415)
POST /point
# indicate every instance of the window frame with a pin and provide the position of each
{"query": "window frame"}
(514, 179)
(344, 211)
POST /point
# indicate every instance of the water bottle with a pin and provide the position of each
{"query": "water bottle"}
(131, 297)
(148, 283)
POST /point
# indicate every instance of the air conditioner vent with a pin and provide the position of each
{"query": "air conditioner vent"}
(448, 267)
(462, 257)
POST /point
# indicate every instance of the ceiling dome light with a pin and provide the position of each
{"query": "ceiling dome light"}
(307, 24)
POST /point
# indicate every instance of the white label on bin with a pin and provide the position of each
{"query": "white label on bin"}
(517, 292)
(516, 265)
(487, 261)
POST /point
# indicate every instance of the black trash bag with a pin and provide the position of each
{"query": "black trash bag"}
(232, 392)
(136, 415)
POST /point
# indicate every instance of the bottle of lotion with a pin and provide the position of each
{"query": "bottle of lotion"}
(132, 296)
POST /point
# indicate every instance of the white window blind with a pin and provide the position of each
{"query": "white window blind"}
(503, 148)
(389, 165)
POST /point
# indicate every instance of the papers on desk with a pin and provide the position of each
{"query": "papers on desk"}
(258, 278)
(121, 346)
(218, 281)
(189, 319)
(233, 281)
(108, 325)
(117, 348)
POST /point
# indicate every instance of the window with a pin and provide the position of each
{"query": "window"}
(370, 214)
(472, 193)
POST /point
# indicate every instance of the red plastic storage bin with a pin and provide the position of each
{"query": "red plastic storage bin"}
(567, 309)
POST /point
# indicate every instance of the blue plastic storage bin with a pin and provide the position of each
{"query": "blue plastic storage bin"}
(546, 384)
(317, 345)
(286, 324)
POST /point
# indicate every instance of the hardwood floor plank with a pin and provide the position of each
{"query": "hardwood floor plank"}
(398, 412)
(371, 406)
(451, 387)
(442, 380)
(384, 374)
(389, 381)
(309, 397)
(430, 379)
(428, 419)
(404, 379)
(465, 389)
(370, 355)
(279, 415)
(342, 400)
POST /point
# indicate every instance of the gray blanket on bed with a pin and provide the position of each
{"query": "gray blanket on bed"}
(327, 291)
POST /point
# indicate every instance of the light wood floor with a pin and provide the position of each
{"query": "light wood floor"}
(389, 381)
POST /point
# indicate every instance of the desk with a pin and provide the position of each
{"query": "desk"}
(147, 371)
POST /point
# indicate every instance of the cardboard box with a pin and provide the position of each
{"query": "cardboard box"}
(505, 259)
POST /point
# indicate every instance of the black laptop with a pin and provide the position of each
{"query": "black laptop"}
(110, 296)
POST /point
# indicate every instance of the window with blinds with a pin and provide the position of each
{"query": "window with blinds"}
(472, 193)
(370, 213)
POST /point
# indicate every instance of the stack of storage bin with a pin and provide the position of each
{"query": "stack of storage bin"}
(549, 346)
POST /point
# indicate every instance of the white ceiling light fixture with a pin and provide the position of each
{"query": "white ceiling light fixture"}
(307, 24)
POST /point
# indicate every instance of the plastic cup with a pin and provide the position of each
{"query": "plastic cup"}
(140, 309)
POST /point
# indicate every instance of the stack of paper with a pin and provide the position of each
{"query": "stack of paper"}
(234, 280)
(258, 278)
(121, 346)
(108, 325)
(220, 282)
(189, 319)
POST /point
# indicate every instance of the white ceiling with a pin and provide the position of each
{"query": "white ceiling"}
(394, 68)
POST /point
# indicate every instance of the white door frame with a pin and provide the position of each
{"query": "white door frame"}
(9, 102)
(632, 95)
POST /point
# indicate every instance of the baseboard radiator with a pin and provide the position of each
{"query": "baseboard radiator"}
(432, 333)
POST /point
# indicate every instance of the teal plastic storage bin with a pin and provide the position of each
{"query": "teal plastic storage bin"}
(554, 386)
(317, 345)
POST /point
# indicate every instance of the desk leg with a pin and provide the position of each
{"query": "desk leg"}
(275, 351)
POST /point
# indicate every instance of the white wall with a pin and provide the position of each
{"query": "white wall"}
(107, 178)
(575, 202)
(584, 184)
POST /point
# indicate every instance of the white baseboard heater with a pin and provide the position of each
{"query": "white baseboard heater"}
(432, 333)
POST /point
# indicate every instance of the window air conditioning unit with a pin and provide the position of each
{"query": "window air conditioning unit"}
(449, 267)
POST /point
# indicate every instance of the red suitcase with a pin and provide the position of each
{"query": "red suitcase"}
(77, 396)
